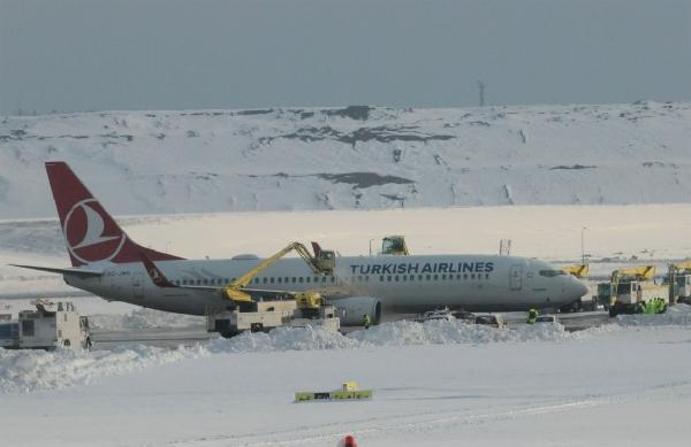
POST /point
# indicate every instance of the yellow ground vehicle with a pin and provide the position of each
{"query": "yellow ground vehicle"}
(287, 308)
(349, 391)
(631, 290)
(394, 245)
(580, 271)
(323, 262)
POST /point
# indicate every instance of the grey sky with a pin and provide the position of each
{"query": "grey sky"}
(76, 55)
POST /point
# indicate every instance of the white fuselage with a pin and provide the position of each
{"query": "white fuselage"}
(400, 283)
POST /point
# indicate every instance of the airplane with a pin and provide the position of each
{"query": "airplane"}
(107, 263)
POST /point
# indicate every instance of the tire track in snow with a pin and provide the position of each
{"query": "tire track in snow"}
(379, 427)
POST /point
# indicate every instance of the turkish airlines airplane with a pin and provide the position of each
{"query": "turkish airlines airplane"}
(106, 262)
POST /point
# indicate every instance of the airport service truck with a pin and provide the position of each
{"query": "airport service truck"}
(262, 316)
(50, 326)
(631, 291)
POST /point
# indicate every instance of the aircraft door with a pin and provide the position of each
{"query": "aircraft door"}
(516, 277)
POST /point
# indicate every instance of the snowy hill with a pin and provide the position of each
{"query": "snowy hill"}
(355, 157)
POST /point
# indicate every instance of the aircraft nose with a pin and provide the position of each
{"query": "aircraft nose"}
(579, 289)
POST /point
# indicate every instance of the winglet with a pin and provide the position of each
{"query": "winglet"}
(156, 275)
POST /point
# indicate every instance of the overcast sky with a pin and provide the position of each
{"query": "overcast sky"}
(79, 55)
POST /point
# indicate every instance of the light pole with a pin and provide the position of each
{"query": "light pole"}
(583, 245)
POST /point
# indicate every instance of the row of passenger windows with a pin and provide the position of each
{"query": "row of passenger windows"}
(264, 280)
(331, 279)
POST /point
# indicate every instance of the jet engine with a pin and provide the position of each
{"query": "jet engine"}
(352, 310)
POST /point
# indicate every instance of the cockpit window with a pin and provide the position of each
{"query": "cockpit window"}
(552, 273)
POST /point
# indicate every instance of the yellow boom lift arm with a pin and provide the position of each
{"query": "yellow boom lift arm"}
(580, 271)
(323, 263)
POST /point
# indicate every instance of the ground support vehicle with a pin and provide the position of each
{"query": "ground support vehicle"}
(679, 280)
(50, 326)
(494, 320)
(632, 291)
(262, 316)
(348, 391)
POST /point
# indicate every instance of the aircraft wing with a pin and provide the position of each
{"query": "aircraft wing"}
(61, 271)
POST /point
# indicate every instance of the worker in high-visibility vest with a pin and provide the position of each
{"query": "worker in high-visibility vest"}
(532, 316)
(366, 321)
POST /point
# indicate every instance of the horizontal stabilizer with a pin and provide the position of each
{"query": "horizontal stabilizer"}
(61, 271)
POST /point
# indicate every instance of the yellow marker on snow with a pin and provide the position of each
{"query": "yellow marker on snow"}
(349, 391)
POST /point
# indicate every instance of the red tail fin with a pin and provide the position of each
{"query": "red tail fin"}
(91, 234)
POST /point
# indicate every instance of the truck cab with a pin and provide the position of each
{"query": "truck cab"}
(50, 326)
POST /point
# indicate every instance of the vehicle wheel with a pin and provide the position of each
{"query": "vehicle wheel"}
(612, 311)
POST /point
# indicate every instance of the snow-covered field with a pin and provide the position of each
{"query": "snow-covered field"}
(356, 157)
(437, 384)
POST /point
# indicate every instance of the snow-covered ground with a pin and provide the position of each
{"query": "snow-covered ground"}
(435, 384)
(357, 157)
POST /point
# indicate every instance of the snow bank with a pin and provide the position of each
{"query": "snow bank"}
(143, 318)
(679, 315)
(399, 333)
(24, 371)
(284, 339)
(402, 333)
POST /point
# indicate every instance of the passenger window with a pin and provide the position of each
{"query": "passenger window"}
(436, 277)
(429, 277)
(301, 279)
(396, 278)
(443, 276)
(271, 280)
(294, 279)
(388, 278)
(308, 279)
(280, 279)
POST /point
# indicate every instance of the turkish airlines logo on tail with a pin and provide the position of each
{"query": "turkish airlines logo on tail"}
(91, 234)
